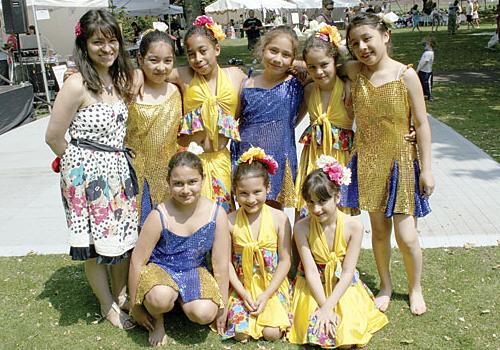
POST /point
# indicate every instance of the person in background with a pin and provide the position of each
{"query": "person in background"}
(175, 27)
(424, 68)
(5, 49)
(475, 13)
(252, 26)
(453, 12)
(304, 22)
(415, 18)
(240, 22)
(326, 13)
(468, 13)
(137, 31)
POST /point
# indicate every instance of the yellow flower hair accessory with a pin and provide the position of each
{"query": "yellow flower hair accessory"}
(257, 154)
(210, 24)
(329, 33)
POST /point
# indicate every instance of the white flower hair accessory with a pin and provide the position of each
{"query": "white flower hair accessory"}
(337, 173)
(195, 148)
(161, 26)
(388, 18)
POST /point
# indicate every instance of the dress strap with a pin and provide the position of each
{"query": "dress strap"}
(163, 215)
(214, 211)
(403, 69)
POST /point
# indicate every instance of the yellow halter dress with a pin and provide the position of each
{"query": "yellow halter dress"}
(215, 115)
(255, 262)
(329, 133)
(152, 135)
(359, 318)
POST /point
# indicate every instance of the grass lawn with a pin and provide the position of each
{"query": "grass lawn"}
(46, 303)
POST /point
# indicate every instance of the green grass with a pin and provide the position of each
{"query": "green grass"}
(46, 303)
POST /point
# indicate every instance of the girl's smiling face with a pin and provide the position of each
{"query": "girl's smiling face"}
(202, 54)
(158, 62)
(321, 67)
(368, 44)
(278, 55)
(251, 193)
(102, 50)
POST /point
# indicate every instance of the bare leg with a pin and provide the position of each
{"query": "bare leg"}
(407, 238)
(159, 300)
(381, 243)
(201, 311)
(119, 277)
(272, 333)
(97, 275)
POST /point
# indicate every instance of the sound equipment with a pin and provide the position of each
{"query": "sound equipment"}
(15, 16)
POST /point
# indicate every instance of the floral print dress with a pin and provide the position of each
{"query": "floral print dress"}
(97, 191)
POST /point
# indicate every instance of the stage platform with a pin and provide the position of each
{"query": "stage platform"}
(16, 106)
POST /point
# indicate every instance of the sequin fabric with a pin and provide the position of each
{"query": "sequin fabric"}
(152, 135)
(268, 121)
(184, 259)
(383, 118)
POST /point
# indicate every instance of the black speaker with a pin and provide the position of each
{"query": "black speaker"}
(15, 16)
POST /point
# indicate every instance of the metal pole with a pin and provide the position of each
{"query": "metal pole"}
(42, 62)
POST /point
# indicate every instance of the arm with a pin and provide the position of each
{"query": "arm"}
(300, 234)
(150, 234)
(303, 106)
(284, 262)
(423, 60)
(220, 263)
(422, 129)
(350, 69)
(354, 236)
(68, 100)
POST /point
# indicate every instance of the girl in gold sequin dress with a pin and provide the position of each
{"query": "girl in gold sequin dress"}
(392, 178)
(153, 121)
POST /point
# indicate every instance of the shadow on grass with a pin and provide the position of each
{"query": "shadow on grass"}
(69, 293)
(371, 282)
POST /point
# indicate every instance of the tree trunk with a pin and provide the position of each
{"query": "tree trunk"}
(192, 9)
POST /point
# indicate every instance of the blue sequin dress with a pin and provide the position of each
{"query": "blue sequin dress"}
(180, 262)
(268, 121)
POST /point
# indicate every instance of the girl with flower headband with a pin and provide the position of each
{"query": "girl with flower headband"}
(330, 130)
(392, 178)
(331, 305)
(170, 260)
(96, 180)
(210, 97)
(270, 106)
(259, 299)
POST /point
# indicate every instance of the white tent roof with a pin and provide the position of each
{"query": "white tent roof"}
(228, 5)
(148, 7)
(316, 4)
(66, 3)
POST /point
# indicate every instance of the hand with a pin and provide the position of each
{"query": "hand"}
(326, 321)
(220, 321)
(260, 304)
(300, 73)
(426, 184)
(248, 301)
(69, 72)
(411, 136)
(142, 317)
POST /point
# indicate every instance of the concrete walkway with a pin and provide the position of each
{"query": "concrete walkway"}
(465, 205)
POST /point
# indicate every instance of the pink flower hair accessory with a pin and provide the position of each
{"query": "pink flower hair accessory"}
(78, 29)
(210, 24)
(337, 173)
(257, 154)
(202, 20)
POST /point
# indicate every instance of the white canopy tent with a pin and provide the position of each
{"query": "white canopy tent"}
(317, 4)
(148, 7)
(51, 4)
(231, 5)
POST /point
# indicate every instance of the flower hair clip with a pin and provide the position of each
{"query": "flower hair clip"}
(195, 148)
(329, 34)
(78, 29)
(257, 154)
(337, 173)
(388, 18)
(209, 23)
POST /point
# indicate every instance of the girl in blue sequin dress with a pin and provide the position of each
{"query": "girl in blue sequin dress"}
(270, 105)
(170, 261)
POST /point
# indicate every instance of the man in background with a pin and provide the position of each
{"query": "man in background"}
(252, 26)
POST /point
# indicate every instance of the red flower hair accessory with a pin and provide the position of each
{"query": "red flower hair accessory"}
(258, 154)
(334, 170)
(210, 24)
(78, 29)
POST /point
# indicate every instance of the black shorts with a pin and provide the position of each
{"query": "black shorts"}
(469, 18)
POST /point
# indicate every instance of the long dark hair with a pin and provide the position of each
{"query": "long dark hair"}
(121, 71)
(153, 37)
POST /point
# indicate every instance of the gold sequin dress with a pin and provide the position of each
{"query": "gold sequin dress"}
(385, 167)
(152, 135)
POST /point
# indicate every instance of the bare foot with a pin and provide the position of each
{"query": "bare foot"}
(417, 303)
(383, 299)
(118, 318)
(157, 337)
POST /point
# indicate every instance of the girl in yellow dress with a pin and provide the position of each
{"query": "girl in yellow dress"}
(259, 302)
(331, 305)
(330, 131)
(153, 121)
(210, 96)
(392, 178)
